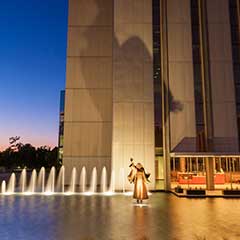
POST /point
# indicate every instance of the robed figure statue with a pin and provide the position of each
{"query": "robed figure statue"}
(139, 177)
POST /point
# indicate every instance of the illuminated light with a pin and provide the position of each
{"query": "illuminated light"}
(88, 193)
(141, 205)
(27, 193)
(48, 193)
(108, 193)
(128, 193)
(68, 193)
(8, 193)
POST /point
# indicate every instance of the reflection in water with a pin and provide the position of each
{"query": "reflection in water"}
(98, 217)
(140, 222)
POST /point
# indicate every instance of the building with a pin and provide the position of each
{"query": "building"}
(157, 81)
(61, 126)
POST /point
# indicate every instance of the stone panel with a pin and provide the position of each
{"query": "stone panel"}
(90, 12)
(131, 123)
(224, 119)
(118, 119)
(181, 81)
(137, 11)
(147, 13)
(128, 123)
(138, 135)
(178, 12)
(218, 11)
(88, 105)
(87, 139)
(82, 41)
(128, 81)
(223, 90)
(89, 72)
(220, 42)
(148, 82)
(129, 45)
(148, 121)
(180, 42)
(148, 43)
(133, 42)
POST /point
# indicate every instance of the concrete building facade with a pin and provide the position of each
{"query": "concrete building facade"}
(134, 63)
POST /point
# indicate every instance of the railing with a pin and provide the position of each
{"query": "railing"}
(191, 170)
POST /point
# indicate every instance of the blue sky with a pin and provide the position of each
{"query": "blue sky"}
(32, 69)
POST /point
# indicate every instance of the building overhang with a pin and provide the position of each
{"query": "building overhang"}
(205, 155)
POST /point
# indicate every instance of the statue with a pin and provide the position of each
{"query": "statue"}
(139, 177)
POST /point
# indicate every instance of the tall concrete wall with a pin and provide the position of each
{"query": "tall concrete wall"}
(181, 81)
(109, 86)
(133, 106)
(88, 102)
(221, 74)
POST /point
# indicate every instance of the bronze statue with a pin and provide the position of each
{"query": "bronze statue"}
(139, 177)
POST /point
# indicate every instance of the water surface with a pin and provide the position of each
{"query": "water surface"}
(99, 217)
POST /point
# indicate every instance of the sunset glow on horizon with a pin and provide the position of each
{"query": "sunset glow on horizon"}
(45, 142)
(32, 69)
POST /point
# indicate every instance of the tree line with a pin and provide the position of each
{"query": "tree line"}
(19, 155)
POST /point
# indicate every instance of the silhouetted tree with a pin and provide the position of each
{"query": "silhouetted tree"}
(26, 155)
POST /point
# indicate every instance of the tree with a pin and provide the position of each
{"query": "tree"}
(26, 155)
(14, 144)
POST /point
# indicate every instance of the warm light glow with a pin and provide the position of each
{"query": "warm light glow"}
(141, 205)
(28, 193)
(68, 193)
(128, 193)
(88, 193)
(8, 193)
(108, 193)
(48, 193)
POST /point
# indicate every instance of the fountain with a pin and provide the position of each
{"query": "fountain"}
(61, 180)
(23, 180)
(104, 180)
(11, 184)
(3, 187)
(38, 185)
(32, 184)
(41, 180)
(83, 180)
(73, 181)
(50, 187)
(93, 185)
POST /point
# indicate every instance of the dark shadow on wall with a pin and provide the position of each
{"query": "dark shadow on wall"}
(129, 51)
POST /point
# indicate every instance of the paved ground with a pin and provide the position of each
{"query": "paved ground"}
(164, 216)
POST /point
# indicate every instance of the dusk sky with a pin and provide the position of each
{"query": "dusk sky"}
(32, 69)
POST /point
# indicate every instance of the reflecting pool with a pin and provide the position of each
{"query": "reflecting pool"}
(115, 217)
